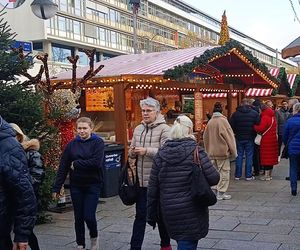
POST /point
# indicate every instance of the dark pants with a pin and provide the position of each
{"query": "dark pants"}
(187, 244)
(256, 159)
(85, 200)
(294, 171)
(5, 241)
(279, 144)
(139, 224)
(33, 242)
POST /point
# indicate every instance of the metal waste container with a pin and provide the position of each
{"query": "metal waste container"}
(112, 164)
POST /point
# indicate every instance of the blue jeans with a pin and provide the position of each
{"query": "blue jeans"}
(139, 224)
(187, 244)
(247, 147)
(85, 200)
(294, 169)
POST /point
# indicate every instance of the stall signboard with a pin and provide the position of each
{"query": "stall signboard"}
(198, 97)
(99, 99)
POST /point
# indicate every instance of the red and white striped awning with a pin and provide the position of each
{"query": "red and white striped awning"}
(258, 92)
(274, 71)
(218, 95)
(291, 79)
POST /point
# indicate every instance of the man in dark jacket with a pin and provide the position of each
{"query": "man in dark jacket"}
(282, 114)
(17, 199)
(242, 122)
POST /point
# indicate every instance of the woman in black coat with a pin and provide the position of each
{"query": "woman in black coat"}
(170, 187)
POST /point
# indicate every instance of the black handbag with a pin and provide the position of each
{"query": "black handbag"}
(128, 190)
(202, 193)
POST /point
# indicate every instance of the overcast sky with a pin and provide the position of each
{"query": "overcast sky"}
(272, 22)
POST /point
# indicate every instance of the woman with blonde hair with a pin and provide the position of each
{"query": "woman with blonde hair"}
(170, 186)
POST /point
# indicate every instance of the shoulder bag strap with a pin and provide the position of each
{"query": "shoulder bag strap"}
(197, 158)
(269, 127)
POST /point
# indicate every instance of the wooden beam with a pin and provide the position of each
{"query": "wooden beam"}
(229, 102)
(120, 116)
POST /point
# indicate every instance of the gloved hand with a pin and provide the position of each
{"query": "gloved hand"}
(152, 223)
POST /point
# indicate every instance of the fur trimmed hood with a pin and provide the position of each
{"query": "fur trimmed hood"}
(31, 144)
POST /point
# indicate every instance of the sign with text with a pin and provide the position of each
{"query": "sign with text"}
(27, 46)
(198, 97)
(99, 99)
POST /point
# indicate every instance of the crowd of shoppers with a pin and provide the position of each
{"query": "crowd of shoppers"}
(164, 162)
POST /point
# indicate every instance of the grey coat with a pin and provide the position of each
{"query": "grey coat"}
(150, 136)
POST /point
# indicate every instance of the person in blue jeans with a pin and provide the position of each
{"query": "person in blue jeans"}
(291, 137)
(83, 159)
(242, 122)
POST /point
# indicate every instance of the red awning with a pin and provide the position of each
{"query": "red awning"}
(291, 79)
(258, 92)
(218, 95)
(274, 71)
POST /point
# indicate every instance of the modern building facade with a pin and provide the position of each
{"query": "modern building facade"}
(107, 25)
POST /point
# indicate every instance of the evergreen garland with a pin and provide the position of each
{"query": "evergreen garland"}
(187, 68)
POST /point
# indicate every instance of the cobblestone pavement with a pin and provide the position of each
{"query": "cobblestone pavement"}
(260, 215)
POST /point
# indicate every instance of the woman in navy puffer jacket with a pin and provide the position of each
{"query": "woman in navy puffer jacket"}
(17, 199)
(291, 136)
(170, 187)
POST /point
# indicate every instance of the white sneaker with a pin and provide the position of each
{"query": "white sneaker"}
(223, 196)
(95, 243)
(250, 178)
(80, 248)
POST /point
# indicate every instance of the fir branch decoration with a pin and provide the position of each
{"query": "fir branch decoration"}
(183, 70)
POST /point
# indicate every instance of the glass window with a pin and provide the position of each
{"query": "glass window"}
(113, 39)
(76, 27)
(62, 23)
(83, 58)
(37, 46)
(77, 7)
(63, 5)
(60, 53)
(112, 15)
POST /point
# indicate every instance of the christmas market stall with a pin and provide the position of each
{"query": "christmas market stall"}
(183, 78)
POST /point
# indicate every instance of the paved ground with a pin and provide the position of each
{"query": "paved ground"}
(261, 215)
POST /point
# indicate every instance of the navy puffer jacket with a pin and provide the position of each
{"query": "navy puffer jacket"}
(242, 122)
(291, 134)
(17, 199)
(170, 187)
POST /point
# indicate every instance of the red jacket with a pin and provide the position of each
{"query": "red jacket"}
(269, 142)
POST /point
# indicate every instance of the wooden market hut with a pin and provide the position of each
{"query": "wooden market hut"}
(226, 69)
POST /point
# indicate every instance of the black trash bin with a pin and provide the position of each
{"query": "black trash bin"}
(113, 158)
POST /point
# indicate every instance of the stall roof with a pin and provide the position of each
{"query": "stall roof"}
(140, 64)
(219, 63)
(292, 50)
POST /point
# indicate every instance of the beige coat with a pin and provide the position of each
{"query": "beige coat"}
(150, 136)
(219, 140)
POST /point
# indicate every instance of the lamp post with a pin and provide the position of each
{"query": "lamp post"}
(135, 8)
(44, 9)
